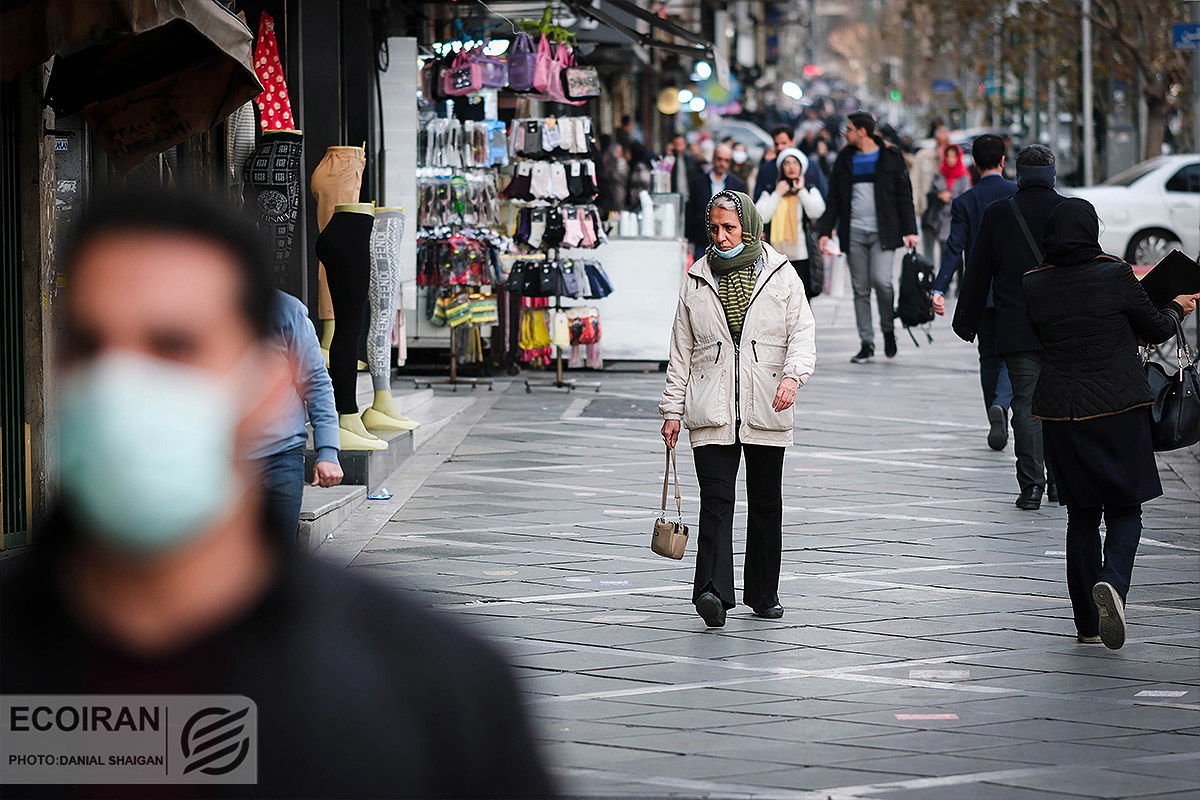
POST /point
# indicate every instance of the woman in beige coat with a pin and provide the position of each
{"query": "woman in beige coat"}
(742, 345)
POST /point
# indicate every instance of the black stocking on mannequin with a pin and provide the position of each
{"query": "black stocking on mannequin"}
(344, 247)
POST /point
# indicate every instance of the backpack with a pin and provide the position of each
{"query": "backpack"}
(914, 304)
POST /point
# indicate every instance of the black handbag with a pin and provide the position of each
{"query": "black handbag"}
(1175, 415)
(816, 263)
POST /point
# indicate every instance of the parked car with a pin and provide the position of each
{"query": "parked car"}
(1149, 209)
(757, 140)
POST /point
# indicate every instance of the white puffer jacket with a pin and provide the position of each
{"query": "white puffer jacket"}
(720, 391)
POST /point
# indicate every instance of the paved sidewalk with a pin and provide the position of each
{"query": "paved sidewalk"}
(927, 650)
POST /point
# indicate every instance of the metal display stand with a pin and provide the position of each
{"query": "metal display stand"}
(559, 382)
(453, 381)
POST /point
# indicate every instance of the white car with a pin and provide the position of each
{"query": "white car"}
(1149, 209)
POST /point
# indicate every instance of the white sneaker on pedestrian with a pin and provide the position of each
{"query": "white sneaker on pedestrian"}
(1112, 615)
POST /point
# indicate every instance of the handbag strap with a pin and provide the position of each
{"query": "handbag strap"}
(1037, 251)
(672, 466)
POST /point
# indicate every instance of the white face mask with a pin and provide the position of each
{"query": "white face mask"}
(740, 156)
(147, 450)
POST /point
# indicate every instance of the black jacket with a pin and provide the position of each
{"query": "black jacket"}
(1088, 318)
(893, 198)
(699, 193)
(360, 691)
(999, 259)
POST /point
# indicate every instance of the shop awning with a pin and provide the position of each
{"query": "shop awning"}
(146, 74)
(619, 15)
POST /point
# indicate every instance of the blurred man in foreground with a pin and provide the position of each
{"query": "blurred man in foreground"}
(158, 575)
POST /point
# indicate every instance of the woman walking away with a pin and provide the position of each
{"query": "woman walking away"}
(952, 179)
(1089, 311)
(742, 344)
(787, 207)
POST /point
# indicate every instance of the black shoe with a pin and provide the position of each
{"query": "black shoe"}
(711, 610)
(998, 435)
(1030, 499)
(1051, 492)
(889, 345)
(865, 354)
(774, 612)
(1112, 615)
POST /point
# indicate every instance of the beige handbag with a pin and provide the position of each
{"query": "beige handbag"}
(670, 538)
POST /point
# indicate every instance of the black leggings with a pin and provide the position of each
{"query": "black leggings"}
(344, 247)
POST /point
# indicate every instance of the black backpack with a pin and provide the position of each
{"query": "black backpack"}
(914, 305)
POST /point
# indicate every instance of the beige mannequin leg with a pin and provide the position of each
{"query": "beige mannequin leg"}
(355, 436)
(326, 339)
(384, 415)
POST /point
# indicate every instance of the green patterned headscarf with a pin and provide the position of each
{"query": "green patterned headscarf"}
(736, 276)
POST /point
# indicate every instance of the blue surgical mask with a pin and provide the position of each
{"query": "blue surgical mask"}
(146, 450)
(731, 252)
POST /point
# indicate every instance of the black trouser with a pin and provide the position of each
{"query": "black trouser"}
(1085, 563)
(1023, 369)
(344, 247)
(716, 470)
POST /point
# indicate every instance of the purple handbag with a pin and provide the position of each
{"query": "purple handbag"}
(521, 63)
(493, 72)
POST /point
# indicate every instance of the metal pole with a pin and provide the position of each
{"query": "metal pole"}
(1089, 150)
(1195, 85)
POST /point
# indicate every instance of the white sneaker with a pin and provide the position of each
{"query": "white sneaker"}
(1112, 615)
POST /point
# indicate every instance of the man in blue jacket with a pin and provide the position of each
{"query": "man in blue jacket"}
(966, 212)
(280, 448)
(1001, 257)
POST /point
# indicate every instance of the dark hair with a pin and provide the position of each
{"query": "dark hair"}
(987, 151)
(778, 129)
(625, 120)
(169, 211)
(863, 121)
(1035, 155)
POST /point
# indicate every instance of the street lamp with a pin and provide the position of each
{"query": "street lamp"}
(702, 70)
(792, 89)
(697, 104)
(686, 95)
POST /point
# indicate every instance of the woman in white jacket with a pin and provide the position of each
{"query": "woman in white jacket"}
(787, 207)
(742, 344)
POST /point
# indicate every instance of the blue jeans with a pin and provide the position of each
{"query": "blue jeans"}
(282, 476)
(993, 375)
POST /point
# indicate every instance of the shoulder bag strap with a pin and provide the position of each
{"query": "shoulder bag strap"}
(1037, 251)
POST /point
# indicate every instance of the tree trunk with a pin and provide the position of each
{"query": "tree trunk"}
(1156, 121)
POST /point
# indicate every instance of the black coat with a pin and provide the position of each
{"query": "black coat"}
(999, 259)
(360, 691)
(893, 198)
(699, 193)
(1088, 318)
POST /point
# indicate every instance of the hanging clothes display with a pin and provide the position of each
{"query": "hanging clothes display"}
(384, 293)
(274, 104)
(462, 145)
(448, 197)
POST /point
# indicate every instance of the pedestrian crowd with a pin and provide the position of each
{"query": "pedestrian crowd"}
(1056, 321)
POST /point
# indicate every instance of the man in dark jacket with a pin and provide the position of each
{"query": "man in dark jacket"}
(966, 213)
(870, 206)
(158, 575)
(704, 186)
(1001, 256)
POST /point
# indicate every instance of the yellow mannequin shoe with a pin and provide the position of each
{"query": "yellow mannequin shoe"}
(374, 418)
(355, 436)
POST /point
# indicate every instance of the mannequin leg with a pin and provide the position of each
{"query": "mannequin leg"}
(337, 179)
(385, 286)
(272, 176)
(345, 247)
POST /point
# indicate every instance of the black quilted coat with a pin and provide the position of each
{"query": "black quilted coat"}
(1088, 310)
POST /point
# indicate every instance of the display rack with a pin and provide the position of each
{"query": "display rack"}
(559, 382)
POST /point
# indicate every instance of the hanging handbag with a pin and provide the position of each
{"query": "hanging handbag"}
(543, 66)
(493, 72)
(816, 264)
(580, 81)
(670, 538)
(521, 63)
(464, 76)
(554, 86)
(1175, 415)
